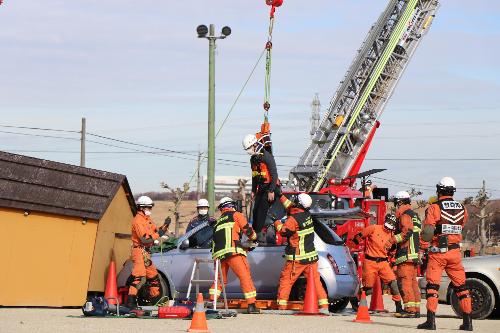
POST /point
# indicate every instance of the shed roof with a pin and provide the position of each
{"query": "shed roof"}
(34, 184)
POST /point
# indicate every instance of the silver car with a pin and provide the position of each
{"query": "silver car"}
(336, 267)
(483, 279)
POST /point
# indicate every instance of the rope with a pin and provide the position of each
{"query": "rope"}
(267, 80)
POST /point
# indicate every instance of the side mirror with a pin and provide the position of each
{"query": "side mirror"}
(185, 244)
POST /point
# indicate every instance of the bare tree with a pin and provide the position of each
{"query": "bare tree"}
(481, 201)
(177, 196)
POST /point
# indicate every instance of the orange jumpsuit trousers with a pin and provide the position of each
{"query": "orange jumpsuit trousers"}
(373, 270)
(290, 274)
(239, 265)
(141, 269)
(408, 286)
(451, 262)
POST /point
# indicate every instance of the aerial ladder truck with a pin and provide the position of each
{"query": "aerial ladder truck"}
(330, 166)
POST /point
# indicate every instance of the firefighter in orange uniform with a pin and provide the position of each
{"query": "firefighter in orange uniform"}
(407, 240)
(378, 243)
(227, 246)
(300, 251)
(443, 225)
(265, 182)
(145, 234)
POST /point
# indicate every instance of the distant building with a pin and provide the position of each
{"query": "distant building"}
(59, 224)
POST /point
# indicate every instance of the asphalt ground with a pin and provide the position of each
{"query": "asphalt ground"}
(43, 320)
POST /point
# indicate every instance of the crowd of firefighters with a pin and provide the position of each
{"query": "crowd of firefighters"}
(403, 234)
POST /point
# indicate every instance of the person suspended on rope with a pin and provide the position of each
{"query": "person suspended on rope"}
(265, 181)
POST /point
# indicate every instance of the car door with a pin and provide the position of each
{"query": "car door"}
(182, 262)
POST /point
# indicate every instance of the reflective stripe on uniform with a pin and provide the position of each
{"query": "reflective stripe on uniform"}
(302, 257)
(399, 238)
(282, 302)
(251, 294)
(287, 203)
(222, 252)
(212, 292)
(257, 173)
(322, 301)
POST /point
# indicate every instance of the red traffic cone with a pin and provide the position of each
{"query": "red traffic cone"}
(377, 302)
(363, 316)
(311, 300)
(199, 321)
(111, 292)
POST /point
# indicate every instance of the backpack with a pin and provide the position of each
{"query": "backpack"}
(96, 306)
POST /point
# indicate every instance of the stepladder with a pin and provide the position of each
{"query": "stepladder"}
(216, 279)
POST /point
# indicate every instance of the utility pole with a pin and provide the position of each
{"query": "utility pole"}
(315, 114)
(202, 31)
(198, 194)
(82, 143)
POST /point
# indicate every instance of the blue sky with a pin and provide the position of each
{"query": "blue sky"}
(138, 73)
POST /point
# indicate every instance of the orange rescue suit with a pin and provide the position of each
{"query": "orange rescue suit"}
(144, 233)
(407, 271)
(231, 254)
(445, 216)
(304, 254)
(376, 265)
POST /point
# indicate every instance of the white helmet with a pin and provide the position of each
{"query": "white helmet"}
(447, 182)
(446, 186)
(304, 200)
(226, 202)
(144, 201)
(402, 195)
(248, 141)
(202, 203)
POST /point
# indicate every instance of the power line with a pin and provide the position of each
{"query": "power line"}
(40, 129)
(41, 135)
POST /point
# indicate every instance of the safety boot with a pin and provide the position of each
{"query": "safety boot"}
(430, 323)
(467, 325)
(399, 307)
(252, 309)
(132, 302)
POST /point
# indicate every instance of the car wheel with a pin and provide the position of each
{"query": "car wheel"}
(483, 299)
(143, 297)
(354, 303)
(298, 292)
(338, 304)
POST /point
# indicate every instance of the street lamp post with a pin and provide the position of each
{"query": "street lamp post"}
(209, 33)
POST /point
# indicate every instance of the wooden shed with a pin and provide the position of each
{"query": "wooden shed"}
(59, 224)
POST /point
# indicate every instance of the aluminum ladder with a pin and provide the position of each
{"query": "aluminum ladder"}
(363, 93)
(197, 281)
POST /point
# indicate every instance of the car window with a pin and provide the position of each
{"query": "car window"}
(202, 239)
(326, 234)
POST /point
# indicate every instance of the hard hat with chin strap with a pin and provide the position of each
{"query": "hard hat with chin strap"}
(447, 182)
(226, 202)
(202, 203)
(248, 141)
(144, 201)
(304, 200)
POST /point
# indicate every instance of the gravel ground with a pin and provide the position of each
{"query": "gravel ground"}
(39, 320)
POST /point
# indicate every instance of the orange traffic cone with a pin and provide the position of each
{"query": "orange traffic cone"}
(199, 321)
(363, 316)
(377, 302)
(111, 292)
(311, 300)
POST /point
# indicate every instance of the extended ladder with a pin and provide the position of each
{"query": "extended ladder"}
(197, 281)
(362, 95)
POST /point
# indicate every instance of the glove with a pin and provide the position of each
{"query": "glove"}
(164, 237)
(156, 242)
(278, 225)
